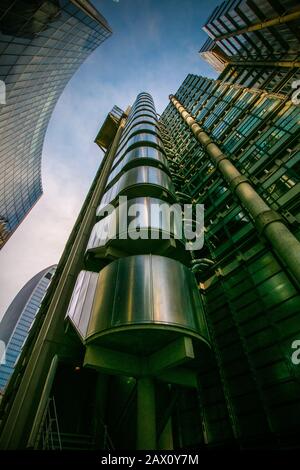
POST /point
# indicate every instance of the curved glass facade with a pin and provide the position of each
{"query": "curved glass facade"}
(42, 45)
(18, 319)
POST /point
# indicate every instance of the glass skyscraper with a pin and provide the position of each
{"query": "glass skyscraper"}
(42, 44)
(154, 362)
(18, 319)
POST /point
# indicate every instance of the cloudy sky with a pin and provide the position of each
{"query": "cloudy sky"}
(154, 45)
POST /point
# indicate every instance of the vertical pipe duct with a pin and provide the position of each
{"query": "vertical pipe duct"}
(267, 221)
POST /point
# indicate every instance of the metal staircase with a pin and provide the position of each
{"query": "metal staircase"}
(50, 437)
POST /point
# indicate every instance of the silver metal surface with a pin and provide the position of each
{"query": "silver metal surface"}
(138, 291)
(139, 139)
(141, 127)
(141, 115)
(134, 156)
(283, 241)
(142, 105)
(146, 214)
(141, 112)
(135, 122)
(152, 180)
(146, 289)
(82, 300)
(143, 151)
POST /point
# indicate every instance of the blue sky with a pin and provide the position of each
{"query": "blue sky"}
(154, 46)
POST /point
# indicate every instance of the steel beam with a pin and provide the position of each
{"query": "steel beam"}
(114, 362)
(267, 63)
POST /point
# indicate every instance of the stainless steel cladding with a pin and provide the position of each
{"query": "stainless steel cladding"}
(139, 127)
(143, 225)
(138, 291)
(81, 301)
(139, 156)
(146, 289)
(143, 138)
(136, 121)
(144, 180)
(144, 296)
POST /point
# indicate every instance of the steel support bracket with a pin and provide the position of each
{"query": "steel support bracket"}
(219, 158)
(265, 218)
(237, 181)
(206, 143)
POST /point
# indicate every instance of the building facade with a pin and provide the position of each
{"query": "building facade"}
(255, 43)
(135, 353)
(42, 44)
(143, 315)
(235, 150)
(130, 351)
(18, 319)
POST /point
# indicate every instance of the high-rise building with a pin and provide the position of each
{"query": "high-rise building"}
(129, 353)
(118, 359)
(255, 43)
(18, 319)
(236, 150)
(42, 44)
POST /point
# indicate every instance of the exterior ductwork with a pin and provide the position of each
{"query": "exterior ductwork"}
(267, 221)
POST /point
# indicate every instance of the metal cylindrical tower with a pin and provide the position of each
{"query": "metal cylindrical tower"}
(137, 307)
(135, 315)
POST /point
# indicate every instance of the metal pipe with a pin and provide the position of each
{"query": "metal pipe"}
(203, 261)
(264, 24)
(267, 221)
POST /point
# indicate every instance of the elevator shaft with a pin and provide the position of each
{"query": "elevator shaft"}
(139, 312)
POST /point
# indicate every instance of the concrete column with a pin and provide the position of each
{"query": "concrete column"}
(146, 419)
